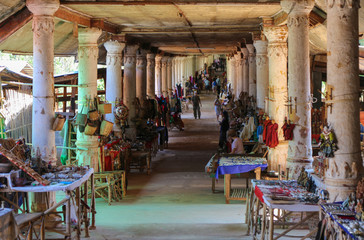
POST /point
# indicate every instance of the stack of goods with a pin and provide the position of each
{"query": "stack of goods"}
(64, 174)
(282, 191)
(306, 181)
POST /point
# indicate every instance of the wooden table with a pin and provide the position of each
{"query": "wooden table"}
(262, 207)
(228, 164)
(74, 191)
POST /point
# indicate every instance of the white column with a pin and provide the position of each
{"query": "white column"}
(232, 73)
(130, 82)
(151, 75)
(164, 77)
(277, 53)
(245, 66)
(114, 88)
(43, 137)
(158, 75)
(342, 73)
(169, 76)
(300, 148)
(238, 74)
(262, 72)
(87, 78)
(252, 71)
(173, 85)
(141, 76)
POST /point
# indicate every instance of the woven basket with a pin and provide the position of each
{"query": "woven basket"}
(106, 128)
(58, 123)
(105, 108)
(90, 129)
(93, 115)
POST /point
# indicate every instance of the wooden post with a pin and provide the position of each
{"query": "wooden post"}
(264, 221)
(258, 172)
(85, 217)
(93, 203)
(271, 224)
(78, 203)
(227, 183)
(68, 215)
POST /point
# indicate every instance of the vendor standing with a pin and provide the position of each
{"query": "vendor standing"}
(224, 127)
(237, 146)
(196, 101)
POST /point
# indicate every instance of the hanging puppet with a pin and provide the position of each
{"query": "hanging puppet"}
(327, 142)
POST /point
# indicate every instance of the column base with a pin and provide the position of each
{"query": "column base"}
(278, 156)
(340, 189)
(88, 155)
(295, 165)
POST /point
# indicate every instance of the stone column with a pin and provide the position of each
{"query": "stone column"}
(173, 85)
(114, 88)
(277, 53)
(262, 72)
(87, 78)
(232, 73)
(238, 74)
(158, 75)
(151, 75)
(141, 76)
(300, 148)
(245, 67)
(252, 71)
(342, 73)
(43, 137)
(164, 77)
(169, 76)
(130, 83)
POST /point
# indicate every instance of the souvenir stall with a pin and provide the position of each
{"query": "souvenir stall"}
(228, 164)
(20, 176)
(344, 220)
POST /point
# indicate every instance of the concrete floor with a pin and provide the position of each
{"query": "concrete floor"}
(175, 201)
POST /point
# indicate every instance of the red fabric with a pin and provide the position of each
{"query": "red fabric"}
(316, 137)
(288, 131)
(272, 135)
(266, 122)
(108, 164)
(259, 194)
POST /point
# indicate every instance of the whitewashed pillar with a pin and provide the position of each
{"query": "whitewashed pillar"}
(262, 65)
(169, 77)
(114, 88)
(300, 148)
(252, 71)
(173, 85)
(141, 75)
(277, 53)
(238, 74)
(43, 137)
(245, 67)
(151, 75)
(232, 74)
(158, 75)
(343, 74)
(87, 80)
(164, 77)
(130, 82)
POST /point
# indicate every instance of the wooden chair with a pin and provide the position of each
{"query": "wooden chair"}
(110, 186)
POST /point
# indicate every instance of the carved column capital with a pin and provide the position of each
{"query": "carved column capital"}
(164, 61)
(297, 7)
(114, 52)
(251, 50)
(150, 60)
(261, 47)
(158, 60)
(275, 33)
(130, 55)
(141, 58)
(41, 7)
(343, 3)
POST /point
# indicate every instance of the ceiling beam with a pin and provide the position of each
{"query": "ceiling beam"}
(207, 29)
(70, 15)
(14, 23)
(166, 2)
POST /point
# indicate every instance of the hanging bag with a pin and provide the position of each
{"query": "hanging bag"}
(58, 122)
(81, 118)
(93, 114)
(106, 128)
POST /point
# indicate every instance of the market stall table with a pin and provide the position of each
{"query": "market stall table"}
(73, 196)
(234, 164)
(8, 228)
(287, 197)
(340, 223)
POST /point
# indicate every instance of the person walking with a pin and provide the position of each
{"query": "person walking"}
(217, 104)
(196, 101)
(224, 127)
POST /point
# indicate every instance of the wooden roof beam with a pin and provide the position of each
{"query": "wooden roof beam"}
(166, 2)
(70, 15)
(14, 23)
